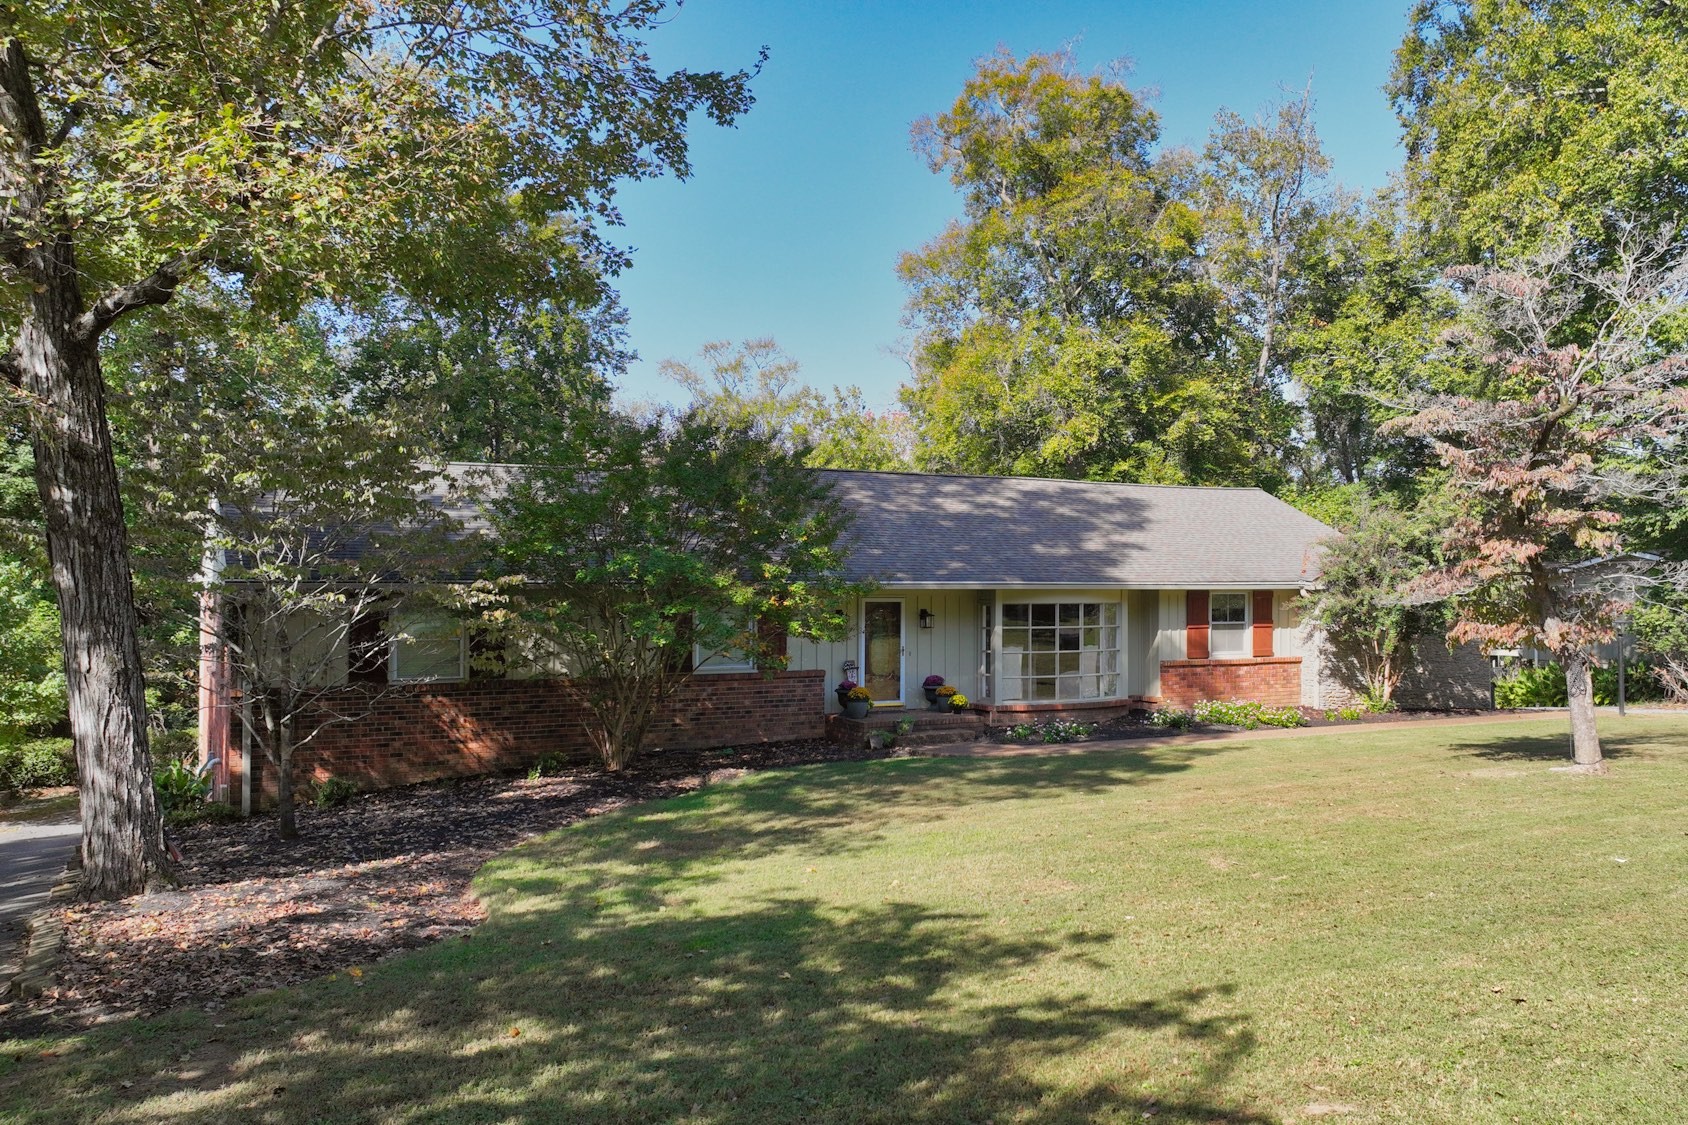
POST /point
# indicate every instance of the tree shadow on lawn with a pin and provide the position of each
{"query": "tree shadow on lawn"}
(1555, 748)
(788, 1010)
(812, 812)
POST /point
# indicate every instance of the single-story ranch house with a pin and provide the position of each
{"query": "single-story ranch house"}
(1033, 597)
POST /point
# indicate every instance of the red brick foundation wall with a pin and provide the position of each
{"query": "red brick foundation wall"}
(1007, 714)
(430, 731)
(1272, 680)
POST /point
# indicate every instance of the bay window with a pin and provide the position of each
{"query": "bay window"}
(1059, 651)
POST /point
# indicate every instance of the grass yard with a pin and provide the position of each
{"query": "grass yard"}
(1405, 925)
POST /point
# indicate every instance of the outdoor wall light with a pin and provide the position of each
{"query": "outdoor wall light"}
(927, 617)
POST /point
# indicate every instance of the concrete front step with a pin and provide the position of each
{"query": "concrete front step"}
(931, 728)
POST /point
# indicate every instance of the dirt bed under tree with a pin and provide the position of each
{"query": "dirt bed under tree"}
(387, 872)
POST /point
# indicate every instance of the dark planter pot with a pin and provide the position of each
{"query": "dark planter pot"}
(857, 708)
(932, 700)
(843, 698)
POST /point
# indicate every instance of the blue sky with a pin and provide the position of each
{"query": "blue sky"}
(792, 222)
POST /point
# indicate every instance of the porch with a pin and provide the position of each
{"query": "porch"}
(931, 728)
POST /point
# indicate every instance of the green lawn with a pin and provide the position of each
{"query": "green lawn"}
(1381, 925)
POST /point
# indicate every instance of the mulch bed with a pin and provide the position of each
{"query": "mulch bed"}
(388, 872)
(1137, 725)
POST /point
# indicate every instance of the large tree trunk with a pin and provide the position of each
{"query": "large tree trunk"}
(1579, 693)
(122, 834)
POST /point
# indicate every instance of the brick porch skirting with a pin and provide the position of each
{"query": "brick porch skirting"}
(425, 732)
(1272, 680)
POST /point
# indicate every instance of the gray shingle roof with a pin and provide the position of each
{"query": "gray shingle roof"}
(913, 529)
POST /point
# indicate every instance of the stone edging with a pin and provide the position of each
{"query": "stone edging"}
(43, 938)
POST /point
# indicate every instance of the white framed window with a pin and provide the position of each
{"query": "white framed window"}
(726, 660)
(1227, 617)
(1059, 651)
(731, 660)
(427, 647)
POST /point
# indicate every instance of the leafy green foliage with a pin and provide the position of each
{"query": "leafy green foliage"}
(757, 387)
(1246, 714)
(334, 792)
(450, 151)
(32, 682)
(1522, 118)
(649, 539)
(1660, 622)
(1350, 713)
(487, 388)
(1361, 603)
(36, 764)
(1174, 718)
(548, 765)
(180, 786)
(1050, 731)
(1066, 326)
(1544, 685)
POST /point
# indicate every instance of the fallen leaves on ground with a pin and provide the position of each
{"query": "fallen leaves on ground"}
(387, 872)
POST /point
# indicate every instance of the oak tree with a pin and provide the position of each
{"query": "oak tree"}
(447, 151)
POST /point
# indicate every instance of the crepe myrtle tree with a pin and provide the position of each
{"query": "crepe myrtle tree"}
(1359, 602)
(1586, 419)
(306, 565)
(452, 151)
(654, 538)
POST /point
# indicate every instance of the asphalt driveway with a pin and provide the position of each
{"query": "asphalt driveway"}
(31, 857)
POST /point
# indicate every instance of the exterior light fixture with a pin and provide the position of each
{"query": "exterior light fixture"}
(927, 617)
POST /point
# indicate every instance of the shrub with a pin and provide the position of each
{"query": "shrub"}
(180, 744)
(335, 792)
(206, 812)
(1174, 717)
(180, 786)
(1247, 714)
(36, 764)
(548, 765)
(1378, 703)
(858, 695)
(1532, 687)
(932, 681)
(1545, 686)
(1054, 730)
(1350, 713)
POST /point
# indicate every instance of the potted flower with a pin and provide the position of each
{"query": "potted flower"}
(857, 701)
(931, 685)
(958, 702)
(843, 690)
(944, 695)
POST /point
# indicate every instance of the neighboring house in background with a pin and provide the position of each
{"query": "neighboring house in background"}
(1033, 597)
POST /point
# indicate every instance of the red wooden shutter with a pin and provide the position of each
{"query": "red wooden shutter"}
(1195, 624)
(1262, 623)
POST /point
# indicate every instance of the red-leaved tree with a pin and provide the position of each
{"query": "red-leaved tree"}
(1584, 416)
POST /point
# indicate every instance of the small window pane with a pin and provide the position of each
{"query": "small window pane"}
(1069, 640)
(1043, 640)
(1043, 615)
(1013, 639)
(1016, 613)
(1110, 613)
(1069, 613)
(427, 648)
(1092, 613)
(1043, 688)
(1043, 664)
(1228, 608)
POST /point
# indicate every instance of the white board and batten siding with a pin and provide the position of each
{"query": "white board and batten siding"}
(950, 648)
